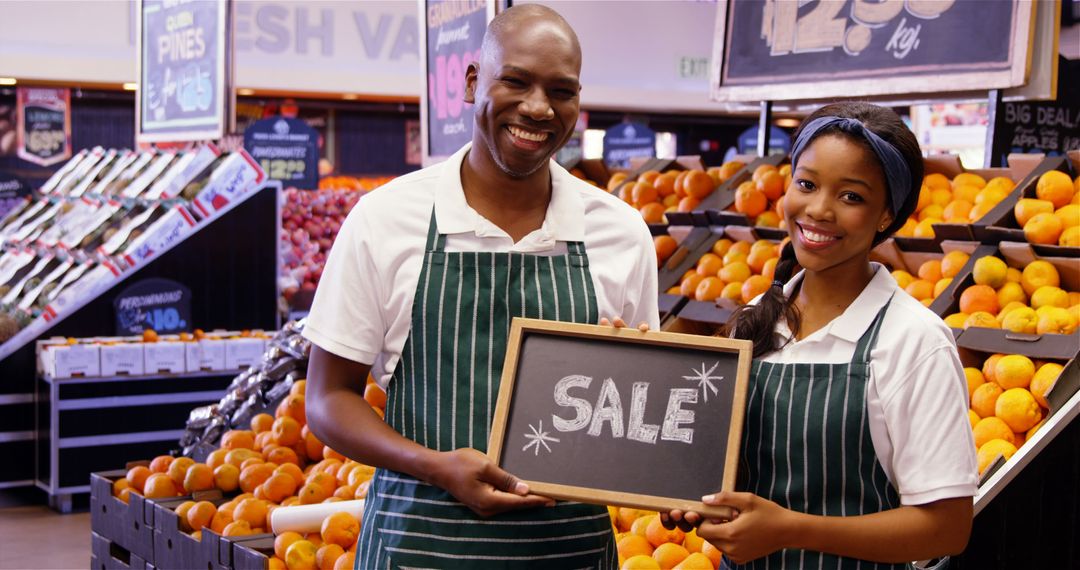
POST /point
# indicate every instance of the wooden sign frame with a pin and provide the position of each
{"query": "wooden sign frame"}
(520, 327)
(825, 85)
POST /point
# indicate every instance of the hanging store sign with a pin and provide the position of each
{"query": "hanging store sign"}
(628, 140)
(454, 31)
(185, 69)
(43, 128)
(286, 149)
(780, 50)
(1048, 127)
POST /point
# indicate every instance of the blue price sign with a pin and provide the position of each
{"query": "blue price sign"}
(183, 72)
(159, 304)
(628, 140)
(286, 149)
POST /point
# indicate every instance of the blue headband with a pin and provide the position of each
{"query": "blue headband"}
(897, 174)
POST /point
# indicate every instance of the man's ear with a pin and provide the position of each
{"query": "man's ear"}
(471, 74)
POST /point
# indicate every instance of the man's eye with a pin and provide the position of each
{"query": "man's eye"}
(513, 81)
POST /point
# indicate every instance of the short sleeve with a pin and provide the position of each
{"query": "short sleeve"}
(346, 316)
(927, 422)
(640, 300)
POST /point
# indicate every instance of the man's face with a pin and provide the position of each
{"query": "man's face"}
(526, 96)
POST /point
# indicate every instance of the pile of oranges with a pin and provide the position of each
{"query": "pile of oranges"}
(1007, 399)
(734, 270)
(655, 193)
(762, 197)
(932, 276)
(1027, 301)
(277, 463)
(1053, 217)
(644, 543)
(962, 200)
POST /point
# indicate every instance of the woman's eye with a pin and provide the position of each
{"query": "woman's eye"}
(851, 197)
(804, 184)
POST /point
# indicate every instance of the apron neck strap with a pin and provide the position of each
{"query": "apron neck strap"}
(869, 338)
(435, 241)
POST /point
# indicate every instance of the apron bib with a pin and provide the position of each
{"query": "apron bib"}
(807, 447)
(442, 395)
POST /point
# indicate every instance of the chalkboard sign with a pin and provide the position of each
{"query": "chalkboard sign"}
(286, 149)
(454, 34)
(798, 50)
(628, 140)
(582, 409)
(43, 127)
(184, 70)
(13, 192)
(1048, 127)
(162, 305)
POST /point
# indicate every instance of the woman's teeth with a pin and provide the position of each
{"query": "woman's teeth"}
(816, 237)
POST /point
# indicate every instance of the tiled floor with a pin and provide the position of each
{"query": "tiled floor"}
(37, 537)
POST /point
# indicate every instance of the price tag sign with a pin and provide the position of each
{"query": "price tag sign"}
(183, 71)
(787, 50)
(628, 140)
(286, 149)
(1048, 127)
(44, 125)
(155, 303)
(13, 192)
(454, 33)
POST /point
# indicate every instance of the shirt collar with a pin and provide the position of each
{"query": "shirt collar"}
(856, 319)
(564, 220)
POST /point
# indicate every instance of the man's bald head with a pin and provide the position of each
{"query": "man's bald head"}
(532, 18)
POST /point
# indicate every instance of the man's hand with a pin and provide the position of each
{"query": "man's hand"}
(481, 485)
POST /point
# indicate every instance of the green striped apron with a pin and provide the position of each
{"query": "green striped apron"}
(442, 395)
(807, 447)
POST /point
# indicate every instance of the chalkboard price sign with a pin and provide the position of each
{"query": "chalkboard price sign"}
(162, 305)
(44, 125)
(582, 409)
(787, 50)
(287, 150)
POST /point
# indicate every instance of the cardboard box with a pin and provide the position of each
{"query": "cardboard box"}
(123, 358)
(243, 352)
(205, 354)
(164, 357)
(70, 360)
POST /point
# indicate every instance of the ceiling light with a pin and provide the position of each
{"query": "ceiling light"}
(7, 81)
(131, 86)
(245, 91)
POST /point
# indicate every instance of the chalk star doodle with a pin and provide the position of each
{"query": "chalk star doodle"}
(539, 437)
(704, 379)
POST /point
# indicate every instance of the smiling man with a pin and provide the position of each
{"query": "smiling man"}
(420, 289)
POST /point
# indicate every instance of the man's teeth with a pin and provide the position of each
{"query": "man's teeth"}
(816, 237)
(523, 134)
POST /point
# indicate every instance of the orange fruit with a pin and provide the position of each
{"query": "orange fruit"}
(236, 439)
(698, 184)
(641, 524)
(688, 204)
(1038, 274)
(292, 406)
(941, 197)
(160, 464)
(221, 519)
(696, 561)
(991, 450)
(1049, 296)
(323, 478)
(340, 528)
(990, 271)
(689, 284)
(982, 319)
(750, 201)
(921, 289)
(227, 477)
(181, 514)
(237, 528)
(275, 563)
(256, 460)
(978, 298)
(692, 542)
(615, 180)
(668, 555)
(643, 193)
(120, 485)
(314, 538)
(640, 562)
(1018, 408)
(753, 286)
(625, 516)
(930, 270)
(255, 475)
(757, 257)
(1055, 186)
(1027, 208)
(771, 184)
(722, 246)
(992, 427)
(735, 271)
(284, 541)
(286, 431)
(709, 264)
(1043, 380)
(665, 245)
(178, 470)
(762, 171)
(649, 176)
(293, 471)
(953, 262)
(1043, 229)
(989, 366)
(632, 545)
(261, 423)
(712, 552)
(1069, 215)
(932, 212)
(216, 458)
(1070, 237)
(312, 446)
(312, 493)
(958, 209)
(279, 486)
(1014, 371)
(733, 291)
(903, 278)
(199, 477)
(974, 379)
(137, 476)
(657, 534)
(346, 561)
(327, 555)
(282, 455)
(956, 320)
(201, 514)
(968, 178)
(941, 285)
(985, 398)
(925, 228)
(973, 418)
(709, 289)
(665, 184)
(1022, 319)
(729, 169)
(159, 486)
(253, 511)
(768, 270)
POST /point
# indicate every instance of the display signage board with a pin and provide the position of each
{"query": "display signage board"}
(453, 34)
(43, 128)
(185, 69)
(628, 140)
(574, 149)
(162, 305)
(286, 149)
(13, 192)
(779, 141)
(780, 50)
(1048, 127)
(576, 400)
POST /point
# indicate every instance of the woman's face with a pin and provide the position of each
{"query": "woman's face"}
(836, 204)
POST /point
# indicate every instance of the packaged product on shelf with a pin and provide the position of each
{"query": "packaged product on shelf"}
(20, 207)
(70, 277)
(63, 171)
(117, 185)
(38, 224)
(197, 183)
(80, 213)
(13, 265)
(207, 353)
(96, 173)
(168, 230)
(122, 358)
(61, 359)
(183, 171)
(85, 236)
(236, 175)
(33, 209)
(79, 173)
(34, 298)
(242, 352)
(147, 176)
(164, 356)
(118, 167)
(27, 278)
(130, 228)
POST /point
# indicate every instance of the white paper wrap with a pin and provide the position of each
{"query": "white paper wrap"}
(309, 518)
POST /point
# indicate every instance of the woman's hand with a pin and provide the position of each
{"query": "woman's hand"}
(472, 478)
(619, 323)
(758, 528)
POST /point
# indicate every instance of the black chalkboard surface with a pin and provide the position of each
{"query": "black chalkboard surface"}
(620, 417)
